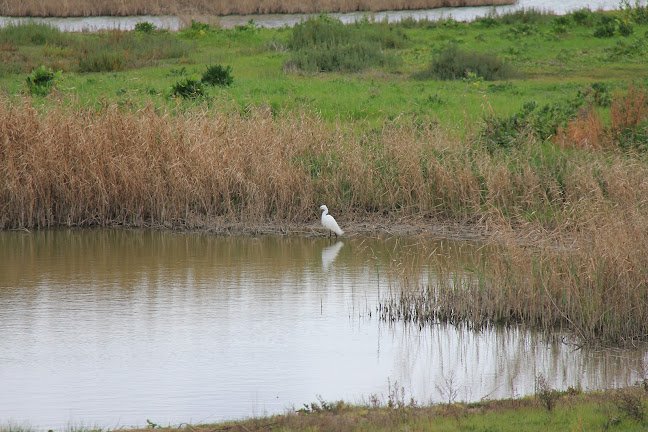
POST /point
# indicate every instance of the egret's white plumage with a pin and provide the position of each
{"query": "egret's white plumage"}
(329, 222)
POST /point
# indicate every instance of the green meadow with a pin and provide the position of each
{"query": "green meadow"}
(552, 59)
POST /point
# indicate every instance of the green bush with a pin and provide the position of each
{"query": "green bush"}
(218, 75)
(582, 17)
(531, 120)
(188, 88)
(42, 80)
(625, 28)
(144, 27)
(454, 64)
(604, 30)
(325, 44)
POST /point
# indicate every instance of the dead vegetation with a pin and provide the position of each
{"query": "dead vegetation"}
(37, 8)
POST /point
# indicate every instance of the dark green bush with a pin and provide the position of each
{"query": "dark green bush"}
(218, 75)
(625, 28)
(144, 27)
(189, 88)
(637, 13)
(582, 17)
(454, 64)
(604, 30)
(541, 122)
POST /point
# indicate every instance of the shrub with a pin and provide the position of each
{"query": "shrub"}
(218, 75)
(42, 80)
(545, 394)
(604, 30)
(582, 17)
(455, 64)
(325, 44)
(102, 61)
(340, 58)
(144, 27)
(625, 28)
(542, 122)
(250, 26)
(630, 402)
(188, 88)
(195, 30)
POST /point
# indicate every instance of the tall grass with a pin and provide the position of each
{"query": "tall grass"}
(218, 7)
(326, 44)
(63, 165)
(453, 63)
(592, 284)
(28, 44)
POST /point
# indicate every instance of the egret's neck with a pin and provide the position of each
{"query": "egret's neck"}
(324, 212)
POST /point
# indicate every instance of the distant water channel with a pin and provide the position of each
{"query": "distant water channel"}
(110, 328)
(279, 20)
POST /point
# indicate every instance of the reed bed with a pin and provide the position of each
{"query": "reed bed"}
(37, 8)
(591, 285)
(61, 165)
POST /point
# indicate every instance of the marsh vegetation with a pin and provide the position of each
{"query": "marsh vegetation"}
(547, 158)
(34, 8)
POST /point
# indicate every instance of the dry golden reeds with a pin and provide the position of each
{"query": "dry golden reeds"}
(71, 166)
(591, 283)
(37, 8)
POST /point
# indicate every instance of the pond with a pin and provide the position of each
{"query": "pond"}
(76, 24)
(110, 328)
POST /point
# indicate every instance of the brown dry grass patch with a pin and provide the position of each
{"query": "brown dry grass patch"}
(37, 8)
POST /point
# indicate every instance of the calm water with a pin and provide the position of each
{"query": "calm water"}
(279, 20)
(112, 327)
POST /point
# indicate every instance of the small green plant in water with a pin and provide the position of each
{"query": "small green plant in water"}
(41, 81)
(145, 27)
(189, 88)
(217, 75)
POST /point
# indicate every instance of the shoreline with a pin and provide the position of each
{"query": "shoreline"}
(221, 8)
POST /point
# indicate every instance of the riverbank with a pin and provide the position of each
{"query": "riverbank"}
(616, 410)
(76, 8)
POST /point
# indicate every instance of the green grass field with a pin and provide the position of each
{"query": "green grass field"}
(554, 57)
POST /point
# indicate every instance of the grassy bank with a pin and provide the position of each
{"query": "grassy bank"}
(34, 8)
(614, 410)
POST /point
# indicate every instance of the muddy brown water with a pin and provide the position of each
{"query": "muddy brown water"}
(109, 328)
(173, 23)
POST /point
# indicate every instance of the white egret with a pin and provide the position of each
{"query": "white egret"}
(329, 222)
